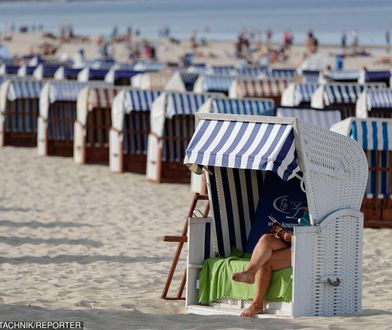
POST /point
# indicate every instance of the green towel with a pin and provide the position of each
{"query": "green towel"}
(215, 281)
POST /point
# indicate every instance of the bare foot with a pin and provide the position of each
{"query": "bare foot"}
(252, 310)
(245, 277)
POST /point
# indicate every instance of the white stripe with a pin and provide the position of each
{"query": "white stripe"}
(243, 141)
(258, 158)
(234, 132)
(216, 141)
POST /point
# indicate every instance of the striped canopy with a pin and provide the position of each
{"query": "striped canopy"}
(381, 98)
(139, 100)
(71, 72)
(243, 106)
(26, 70)
(374, 75)
(148, 66)
(246, 143)
(69, 90)
(24, 89)
(101, 97)
(261, 87)
(252, 71)
(372, 134)
(323, 118)
(10, 69)
(287, 73)
(184, 103)
(304, 92)
(342, 75)
(223, 70)
(345, 93)
(214, 83)
(189, 79)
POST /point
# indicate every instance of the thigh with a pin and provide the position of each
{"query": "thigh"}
(274, 243)
(280, 259)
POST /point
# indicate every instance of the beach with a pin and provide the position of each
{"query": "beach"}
(81, 243)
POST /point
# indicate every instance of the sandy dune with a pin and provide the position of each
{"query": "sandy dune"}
(78, 242)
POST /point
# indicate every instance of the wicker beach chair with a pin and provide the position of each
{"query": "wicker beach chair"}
(120, 77)
(271, 88)
(67, 73)
(375, 77)
(45, 71)
(151, 80)
(298, 95)
(128, 137)
(58, 101)
(182, 81)
(326, 255)
(375, 137)
(340, 96)
(19, 109)
(89, 74)
(172, 126)
(375, 103)
(93, 123)
(207, 83)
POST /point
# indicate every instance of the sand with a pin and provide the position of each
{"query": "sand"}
(80, 243)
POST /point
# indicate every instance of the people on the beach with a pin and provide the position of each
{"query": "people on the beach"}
(343, 40)
(272, 252)
(387, 39)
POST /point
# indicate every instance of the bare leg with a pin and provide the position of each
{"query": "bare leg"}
(280, 259)
(262, 252)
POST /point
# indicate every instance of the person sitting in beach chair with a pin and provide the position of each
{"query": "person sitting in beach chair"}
(271, 247)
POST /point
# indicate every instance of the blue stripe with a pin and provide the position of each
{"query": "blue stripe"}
(216, 209)
(374, 135)
(365, 135)
(385, 135)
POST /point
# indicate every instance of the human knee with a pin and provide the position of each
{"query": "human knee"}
(265, 239)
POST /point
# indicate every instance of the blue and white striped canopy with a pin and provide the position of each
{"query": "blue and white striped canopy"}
(381, 98)
(304, 92)
(223, 70)
(342, 75)
(375, 75)
(24, 89)
(310, 76)
(372, 134)
(189, 79)
(68, 90)
(184, 103)
(345, 93)
(323, 118)
(282, 73)
(139, 100)
(259, 107)
(10, 68)
(242, 144)
(252, 71)
(214, 83)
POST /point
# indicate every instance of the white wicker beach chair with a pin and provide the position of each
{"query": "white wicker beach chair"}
(92, 125)
(19, 109)
(375, 137)
(182, 81)
(340, 96)
(208, 83)
(128, 137)
(375, 103)
(327, 255)
(298, 95)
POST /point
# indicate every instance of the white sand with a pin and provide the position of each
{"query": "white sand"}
(80, 243)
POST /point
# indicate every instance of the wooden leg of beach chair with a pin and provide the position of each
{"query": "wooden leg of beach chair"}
(183, 280)
(181, 240)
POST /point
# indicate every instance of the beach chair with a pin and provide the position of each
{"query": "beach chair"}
(45, 71)
(298, 95)
(67, 73)
(19, 109)
(89, 74)
(207, 83)
(375, 76)
(326, 255)
(128, 137)
(120, 77)
(310, 76)
(58, 101)
(182, 81)
(271, 88)
(9, 69)
(26, 70)
(323, 118)
(339, 76)
(375, 103)
(172, 126)
(340, 96)
(282, 73)
(151, 80)
(92, 125)
(375, 137)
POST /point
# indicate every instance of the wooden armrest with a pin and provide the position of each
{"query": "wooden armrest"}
(178, 239)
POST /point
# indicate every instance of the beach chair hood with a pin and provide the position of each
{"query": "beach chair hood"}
(334, 167)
